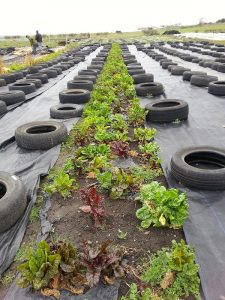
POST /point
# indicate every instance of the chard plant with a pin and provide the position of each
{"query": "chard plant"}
(104, 261)
(144, 135)
(94, 205)
(62, 184)
(162, 207)
(40, 268)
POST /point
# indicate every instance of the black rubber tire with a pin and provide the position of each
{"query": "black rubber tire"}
(176, 70)
(136, 71)
(57, 69)
(9, 78)
(34, 69)
(88, 72)
(141, 78)
(42, 77)
(3, 107)
(95, 67)
(85, 77)
(66, 111)
(169, 68)
(62, 67)
(214, 65)
(217, 88)
(130, 61)
(2, 82)
(27, 88)
(36, 82)
(13, 202)
(187, 74)
(49, 72)
(18, 75)
(166, 111)
(75, 96)
(166, 64)
(134, 67)
(202, 80)
(149, 88)
(51, 134)
(205, 179)
(80, 84)
(221, 68)
(12, 97)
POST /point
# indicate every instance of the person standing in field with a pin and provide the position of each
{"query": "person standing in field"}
(33, 44)
(38, 39)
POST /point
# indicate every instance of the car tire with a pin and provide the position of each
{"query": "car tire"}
(202, 80)
(13, 200)
(200, 167)
(27, 88)
(80, 84)
(3, 108)
(12, 97)
(76, 96)
(66, 111)
(217, 88)
(40, 135)
(165, 111)
(149, 88)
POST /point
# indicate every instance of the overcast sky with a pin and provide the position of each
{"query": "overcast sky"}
(73, 16)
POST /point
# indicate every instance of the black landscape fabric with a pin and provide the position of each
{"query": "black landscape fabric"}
(29, 165)
(205, 226)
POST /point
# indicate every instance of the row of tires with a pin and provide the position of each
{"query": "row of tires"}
(197, 78)
(217, 64)
(47, 134)
(40, 135)
(214, 51)
(36, 76)
(196, 167)
(160, 111)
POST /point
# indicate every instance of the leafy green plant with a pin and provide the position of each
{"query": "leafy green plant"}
(40, 268)
(134, 294)
(173, 272)
(121, 234)
(136, 114)
(102, 261)
(62, 184)
(116, 181)
(144, 135)
(92, 158)
(162, 207)
(150, 152)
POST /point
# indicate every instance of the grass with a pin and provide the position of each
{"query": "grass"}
(8, 278)
(34, 215)
(24, 252)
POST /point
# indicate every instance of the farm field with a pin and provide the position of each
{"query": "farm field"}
(112, 179)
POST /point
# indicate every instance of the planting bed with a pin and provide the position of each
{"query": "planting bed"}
(202, 133)
(108, 187)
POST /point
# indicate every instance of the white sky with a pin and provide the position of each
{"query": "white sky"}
(74, 16)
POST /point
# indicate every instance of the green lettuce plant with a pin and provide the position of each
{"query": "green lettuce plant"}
(162, 207)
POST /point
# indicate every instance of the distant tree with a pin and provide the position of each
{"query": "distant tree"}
(170, 32)
(150, 31)
(118, 31)
(221, 20)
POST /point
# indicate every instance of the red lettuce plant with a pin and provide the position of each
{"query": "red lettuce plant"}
(94, 204)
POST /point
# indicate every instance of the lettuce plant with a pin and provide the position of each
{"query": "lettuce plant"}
(40, 267)
(162, 207)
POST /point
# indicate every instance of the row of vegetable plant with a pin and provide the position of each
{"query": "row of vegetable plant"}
(111, 156)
